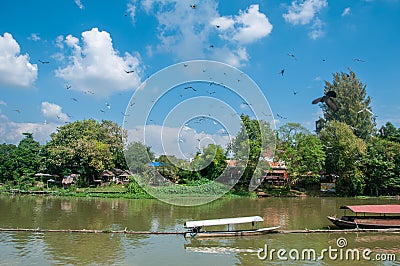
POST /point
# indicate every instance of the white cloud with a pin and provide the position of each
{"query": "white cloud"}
(188, 33)
(131, 9)
(223, 23)
(34, 37)
(79, 4)
(96, 66)
(15, 69)
(247, 27)
(59, 42)
(53, 112)
(302, 12)
(11, 132)
(316, 29)
(230, 56)
(173, 141)
(3, 103)
(182, 30)
(346, 11)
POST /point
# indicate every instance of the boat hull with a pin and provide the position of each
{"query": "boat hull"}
(206, 234)
(365, 223)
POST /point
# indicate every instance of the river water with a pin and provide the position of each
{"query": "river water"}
(45, 212)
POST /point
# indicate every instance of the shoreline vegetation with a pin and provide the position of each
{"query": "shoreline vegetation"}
(117, 191)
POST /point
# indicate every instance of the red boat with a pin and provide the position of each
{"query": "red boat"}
(369, 217)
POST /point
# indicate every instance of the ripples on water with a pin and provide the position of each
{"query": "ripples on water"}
(27, 248)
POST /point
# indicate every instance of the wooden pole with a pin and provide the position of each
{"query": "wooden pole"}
(305, 231)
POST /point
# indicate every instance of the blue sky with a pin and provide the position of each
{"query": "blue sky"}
(90, 44)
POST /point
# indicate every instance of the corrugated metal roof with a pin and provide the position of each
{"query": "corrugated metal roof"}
(225, 221)
(389, 208)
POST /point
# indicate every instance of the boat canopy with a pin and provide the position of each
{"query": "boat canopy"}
(225, 221)
(383, 209)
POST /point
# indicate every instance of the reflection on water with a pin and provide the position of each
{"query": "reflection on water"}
(219, 250)
(21, 248)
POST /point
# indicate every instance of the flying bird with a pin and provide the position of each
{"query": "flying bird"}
(295, 92)
(365, 109)
(281, 72)
(44, 62)
(193, 6)
(17, 110)
(217, 26)
(211, 46)
(292, 56)
(327, 98)
(74, 99)
(129, 71)
(190, 87)
(108, 106)
(278, 115)
(67, 86)
(358, 60)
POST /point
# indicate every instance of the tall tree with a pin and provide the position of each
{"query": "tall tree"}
(302, 152)
(345, 154)
(211, 162)
(8, 162)
(353, 103)
(389, 132)
(383, 167)
(138, 156)
(253, 144)
(85, 147)
(28, 155)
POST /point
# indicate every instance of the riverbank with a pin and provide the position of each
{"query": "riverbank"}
(118, 191)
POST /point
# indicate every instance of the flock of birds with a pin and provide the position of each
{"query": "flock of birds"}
(327, 99)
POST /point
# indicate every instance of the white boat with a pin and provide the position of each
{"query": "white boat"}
(200, 228)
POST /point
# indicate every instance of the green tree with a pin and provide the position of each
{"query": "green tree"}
(28, 155)
(211, 162)
(353, 104)
(389, 132)
(383, 167)
(254, 143)
(85, 147)
(169, 167)
(138, 156)
(345, 153)
(7, 162)
(302, 152)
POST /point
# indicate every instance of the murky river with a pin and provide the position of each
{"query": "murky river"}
(27, 248)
